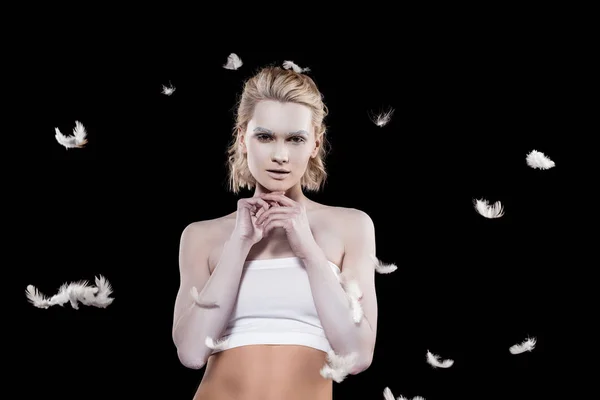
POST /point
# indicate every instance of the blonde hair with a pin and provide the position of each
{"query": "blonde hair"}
(283, 85)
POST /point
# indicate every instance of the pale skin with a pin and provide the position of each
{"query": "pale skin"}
(280, 136)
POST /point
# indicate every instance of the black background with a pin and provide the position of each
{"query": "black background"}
(467, 288)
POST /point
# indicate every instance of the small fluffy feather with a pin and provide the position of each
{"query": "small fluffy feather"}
(383, 118)
(218, 345)
(195, 296)
(537, 159)
(168, 90)
(527, 345)
(489, 211)
(295, 67)
(382, 267)
(434, 360)
(354, 294)
(387, 395)
(233, 62)
(78, 140)
(338, 367)
(74, 292)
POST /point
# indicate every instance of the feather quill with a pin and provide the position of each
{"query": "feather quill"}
(383, 118)
(337, 367)
(233, 62)
(537, 159)
(435, 362)
(295, 67)
(76, 292)
(489, 211)
(78, 140)
(527, 345)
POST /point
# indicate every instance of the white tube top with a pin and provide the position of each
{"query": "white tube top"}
(275, 306)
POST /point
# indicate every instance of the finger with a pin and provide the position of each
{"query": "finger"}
(276, 220)
(258, 202)
(280, 198)
(274, 211)
(260, 212)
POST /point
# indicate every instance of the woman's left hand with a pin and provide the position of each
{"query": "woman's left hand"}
(291, 216)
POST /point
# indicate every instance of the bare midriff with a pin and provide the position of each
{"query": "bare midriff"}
(265, 372)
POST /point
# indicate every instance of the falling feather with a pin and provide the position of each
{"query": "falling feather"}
(76, 292)
(78, 140)
(527, 345)
(351, 287)
(537, 159)
(233, 62)
(168, 90)
(36, 297)
(354, 294)
(295, 67)
(383, 118)
(382, 267)
(435, 362)
(489, 211)
(196, 297)
(218, 345)
(387, 395)
(338, 367)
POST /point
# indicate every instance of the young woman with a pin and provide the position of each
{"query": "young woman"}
(267, 277)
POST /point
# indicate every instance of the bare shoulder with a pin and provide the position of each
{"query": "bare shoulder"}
(346, 215)
(208, 231)
(347, 222)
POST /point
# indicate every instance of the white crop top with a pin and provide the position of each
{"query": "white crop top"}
(275, 306)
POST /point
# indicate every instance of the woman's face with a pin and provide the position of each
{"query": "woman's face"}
(280, 136)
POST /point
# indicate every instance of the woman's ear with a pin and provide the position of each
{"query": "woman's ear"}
(318, 140)
(242, 143)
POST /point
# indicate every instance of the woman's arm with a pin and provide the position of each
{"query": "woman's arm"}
(192, 323)
(331, 301)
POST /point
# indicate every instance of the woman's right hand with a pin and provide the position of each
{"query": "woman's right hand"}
(248, 211)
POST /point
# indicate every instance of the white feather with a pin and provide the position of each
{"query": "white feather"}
(489, 211)
(435, 362)
(382, 267)
(537, 159)
(338, 367)
(168, 90)
(36, 297)
(74, 292)
(78, 139)
(387, 395)
(354, 295)
(233, 62)
(383, 118)
(295, 67)
(527, 345)
(199, 303)
(218, 345)
(102, 299)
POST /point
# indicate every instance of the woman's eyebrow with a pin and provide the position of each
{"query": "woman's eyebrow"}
(265, 130)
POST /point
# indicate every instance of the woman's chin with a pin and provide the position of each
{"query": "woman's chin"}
(270, 187)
